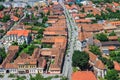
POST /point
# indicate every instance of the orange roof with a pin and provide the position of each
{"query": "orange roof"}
(19, 32)
(111, 47)
(52, 21)
(113, 37)
(84, 35)
(116, 23)
(14, 18)
(91, 27)
(83, 20)
(1, 15)
(115, 4)
(13, 48)
(92, 56)
(99, 64)
(11, 66)
(116, 66)
(83, 75)
(71, 7)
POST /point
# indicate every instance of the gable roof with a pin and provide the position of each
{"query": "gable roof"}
(83, 75)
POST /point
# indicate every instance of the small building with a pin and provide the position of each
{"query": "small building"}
(19, 36)
(83, 75)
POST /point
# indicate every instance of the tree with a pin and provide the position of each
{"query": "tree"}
(38, 77)
(119, 39)
(110, 64)
(95, 49)
(44, 19)
(15, 43)
(1, 31)
(80, 59)
(112, 33)
(2, 53)
(36, 7)
(115, 55)
(28, 6)
(41, 31)
(64, 78)
(102, 37)
(1, 7)
(6, 18)
(112, 75)
(21, 78)
(48, 13)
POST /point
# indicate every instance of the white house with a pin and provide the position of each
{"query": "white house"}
(19, 36)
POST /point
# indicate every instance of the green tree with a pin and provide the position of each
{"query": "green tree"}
(115, 55)
(95, 49)
(28, 6)
(21, 78)
(110, 64)
(112, 33)
(1, 31)
(6, 18)
(14, 43)
(1, 7)
(80, 59)
(64, 78)
(119, 39)
(112, 75)
(48, 13)
(38, 77)
(2, 53)
(102, 37)
(44, 19)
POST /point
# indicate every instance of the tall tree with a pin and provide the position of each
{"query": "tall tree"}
(95, 49)
(102, 37)
(80, 59)
(1, 7)
(112, 75)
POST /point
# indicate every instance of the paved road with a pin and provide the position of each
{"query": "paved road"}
(72, 36)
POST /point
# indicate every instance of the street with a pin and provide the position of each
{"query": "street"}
(72, 36)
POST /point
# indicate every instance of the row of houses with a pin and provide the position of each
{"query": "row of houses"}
(43, 60)
(86, 37)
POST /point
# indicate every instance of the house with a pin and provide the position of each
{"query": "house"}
(109, 27)
(55, 31)
(19, 36)
(97, 42)
(56, 53)
(99, 68)
(18, 4)
(95, 28)
(83, 75)
(89, 9)
(24, 63)
(14, 18)
(96, 64)
(115, 23)
(116, 66)
(7, 4)
(6, 67)
(83, 21)
(113, 38)
(109, 45)
(84, 39)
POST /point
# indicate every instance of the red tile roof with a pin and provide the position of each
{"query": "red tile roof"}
(116, 66)
(19, 32)
(99, 64)
(83, 75)
(14, 18)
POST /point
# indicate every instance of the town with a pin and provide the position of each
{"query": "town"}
(59, 40)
